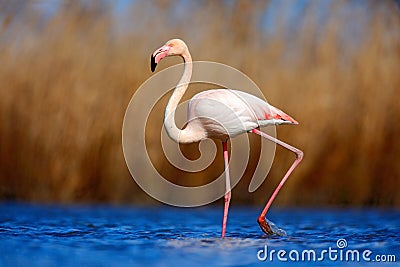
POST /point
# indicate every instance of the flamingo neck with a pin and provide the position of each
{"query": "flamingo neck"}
(176, 134)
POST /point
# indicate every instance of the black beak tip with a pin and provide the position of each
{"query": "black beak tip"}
(153, 63)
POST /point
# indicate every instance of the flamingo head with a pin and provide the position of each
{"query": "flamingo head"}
(174, 47)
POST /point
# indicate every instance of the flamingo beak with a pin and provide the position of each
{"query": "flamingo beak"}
(159, 54)
(153, 63)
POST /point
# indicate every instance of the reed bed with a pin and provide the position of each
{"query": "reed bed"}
(67, 75)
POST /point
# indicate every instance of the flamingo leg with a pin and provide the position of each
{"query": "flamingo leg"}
(227, 197)
(299, 156)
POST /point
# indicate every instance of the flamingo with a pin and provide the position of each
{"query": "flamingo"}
(221, 114)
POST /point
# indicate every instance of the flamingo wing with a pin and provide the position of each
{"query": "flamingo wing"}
(266, 114)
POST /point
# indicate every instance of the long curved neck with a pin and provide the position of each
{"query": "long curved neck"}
(176, 134)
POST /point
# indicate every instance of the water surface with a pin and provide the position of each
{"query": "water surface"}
(45, 235)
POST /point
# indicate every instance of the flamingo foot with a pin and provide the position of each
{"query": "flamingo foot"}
(269, 227)
(264, 226)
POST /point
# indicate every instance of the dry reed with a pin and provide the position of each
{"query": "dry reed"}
(66, 79)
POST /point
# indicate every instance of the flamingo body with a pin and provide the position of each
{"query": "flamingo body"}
(223, 113)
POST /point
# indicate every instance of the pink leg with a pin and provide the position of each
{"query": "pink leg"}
(228, 188)
(299, 156)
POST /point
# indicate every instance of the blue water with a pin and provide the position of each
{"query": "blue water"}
(44, 235)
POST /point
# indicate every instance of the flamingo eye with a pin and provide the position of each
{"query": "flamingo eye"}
(171, 45)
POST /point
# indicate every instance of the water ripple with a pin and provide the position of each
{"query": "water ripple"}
(104, 235)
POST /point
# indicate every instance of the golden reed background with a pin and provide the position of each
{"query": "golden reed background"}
(66, 80)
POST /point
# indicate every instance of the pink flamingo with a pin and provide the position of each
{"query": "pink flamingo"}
(221, 113)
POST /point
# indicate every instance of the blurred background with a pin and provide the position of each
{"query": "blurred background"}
(69, 68)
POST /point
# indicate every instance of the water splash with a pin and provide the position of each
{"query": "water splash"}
(275, 229)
